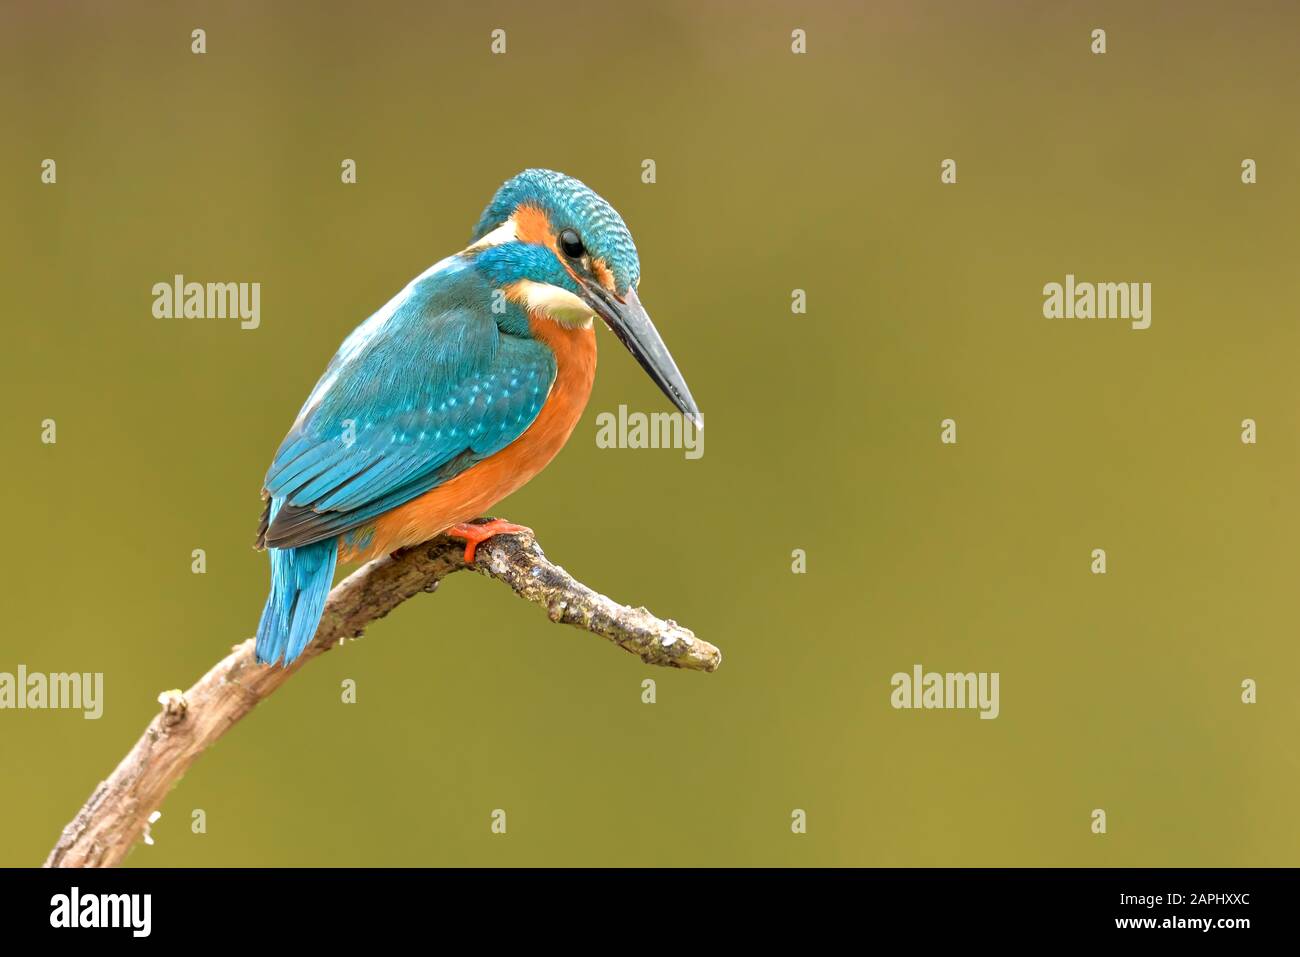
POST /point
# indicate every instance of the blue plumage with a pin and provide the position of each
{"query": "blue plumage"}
(424, 389)
(419, 393)
(300, 583)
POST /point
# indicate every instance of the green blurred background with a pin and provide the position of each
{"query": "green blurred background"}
(775, 172)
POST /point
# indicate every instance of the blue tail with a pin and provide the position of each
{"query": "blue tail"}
(300, 582)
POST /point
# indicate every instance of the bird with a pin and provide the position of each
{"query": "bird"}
(452, 395)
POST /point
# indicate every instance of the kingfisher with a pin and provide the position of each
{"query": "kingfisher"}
(454, 394)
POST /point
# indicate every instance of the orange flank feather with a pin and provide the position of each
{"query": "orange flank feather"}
(478, 488)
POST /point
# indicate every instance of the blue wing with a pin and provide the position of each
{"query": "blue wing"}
(421, 391)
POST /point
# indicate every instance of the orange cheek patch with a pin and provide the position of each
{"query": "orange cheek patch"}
(533, 226)
(603, 274)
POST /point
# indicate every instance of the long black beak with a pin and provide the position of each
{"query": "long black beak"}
(628, 320)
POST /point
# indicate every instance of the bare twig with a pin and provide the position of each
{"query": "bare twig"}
(116, 814)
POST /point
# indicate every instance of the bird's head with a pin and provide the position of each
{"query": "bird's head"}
(564, 254)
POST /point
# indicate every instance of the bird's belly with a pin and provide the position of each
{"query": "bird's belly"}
(479, 487)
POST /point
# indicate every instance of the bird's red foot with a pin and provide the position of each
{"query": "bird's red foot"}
(475, 535)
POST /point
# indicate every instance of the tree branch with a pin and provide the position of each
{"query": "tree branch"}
(117, 813)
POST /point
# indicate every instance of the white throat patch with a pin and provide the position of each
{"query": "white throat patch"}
(556, 304)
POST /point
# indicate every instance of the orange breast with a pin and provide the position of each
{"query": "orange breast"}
(474, 491)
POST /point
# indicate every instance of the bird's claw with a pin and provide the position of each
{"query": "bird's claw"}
(474, 535)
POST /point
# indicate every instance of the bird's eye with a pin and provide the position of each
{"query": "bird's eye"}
(571, 243)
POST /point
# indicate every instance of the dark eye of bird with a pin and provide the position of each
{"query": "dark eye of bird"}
(571, 244)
